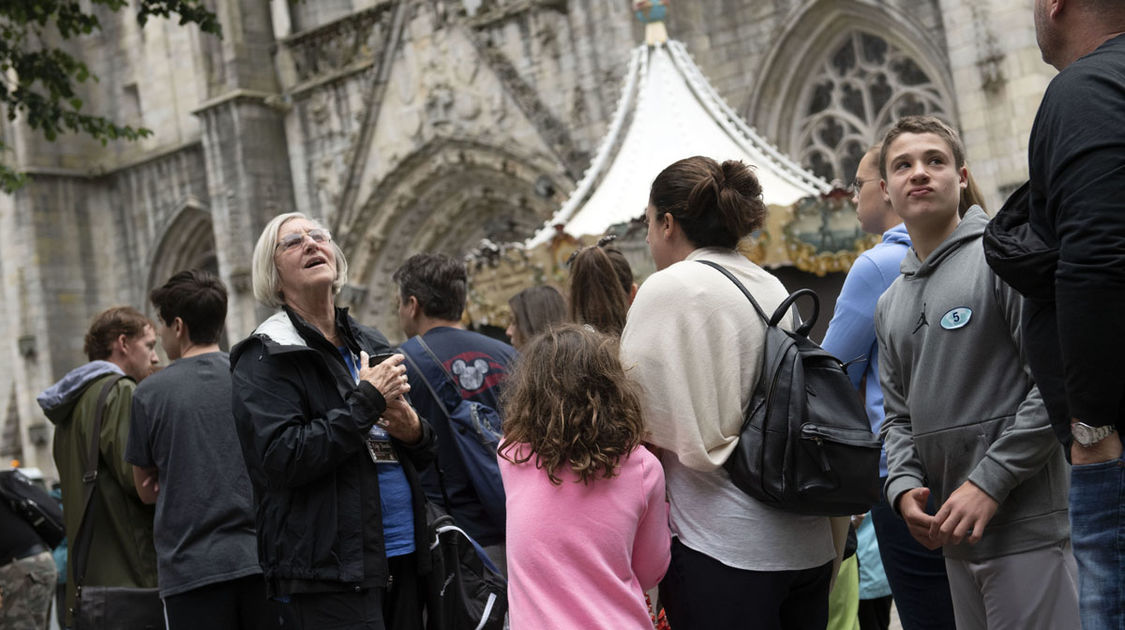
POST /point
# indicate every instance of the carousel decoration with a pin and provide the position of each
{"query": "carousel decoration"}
(667, 111)
(651, 13)
(824, 235)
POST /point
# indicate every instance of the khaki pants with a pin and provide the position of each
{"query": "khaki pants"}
(28, 587)
(1033, 590)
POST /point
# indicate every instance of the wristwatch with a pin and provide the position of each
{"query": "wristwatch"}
(1087, 435)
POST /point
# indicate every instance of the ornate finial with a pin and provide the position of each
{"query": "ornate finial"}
(651, 13)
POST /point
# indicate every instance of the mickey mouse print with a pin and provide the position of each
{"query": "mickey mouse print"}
(475, 372)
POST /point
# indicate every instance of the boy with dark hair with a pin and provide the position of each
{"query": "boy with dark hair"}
(187, 460)
(198, 299)
(963, 417)
(431, 298)
(434, 283)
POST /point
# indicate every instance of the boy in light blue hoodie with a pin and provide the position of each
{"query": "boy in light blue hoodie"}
(963, 417)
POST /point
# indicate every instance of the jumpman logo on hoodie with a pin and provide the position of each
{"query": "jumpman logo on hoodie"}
(921, 320)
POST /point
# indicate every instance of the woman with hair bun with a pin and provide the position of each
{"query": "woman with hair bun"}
(694, 343)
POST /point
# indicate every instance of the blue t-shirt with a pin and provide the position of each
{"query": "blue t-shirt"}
(394, 491)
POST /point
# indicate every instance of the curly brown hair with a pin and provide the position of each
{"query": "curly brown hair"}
(569, 400)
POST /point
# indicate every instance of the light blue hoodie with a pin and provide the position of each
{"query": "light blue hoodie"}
(851, 333)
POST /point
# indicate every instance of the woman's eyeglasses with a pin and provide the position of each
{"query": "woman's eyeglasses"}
(294, 240)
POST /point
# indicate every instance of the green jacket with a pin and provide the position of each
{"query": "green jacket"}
(122, 551)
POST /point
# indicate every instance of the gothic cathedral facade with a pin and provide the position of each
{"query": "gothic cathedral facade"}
(428, 125)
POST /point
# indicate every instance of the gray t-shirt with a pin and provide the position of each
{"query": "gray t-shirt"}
(183, 426)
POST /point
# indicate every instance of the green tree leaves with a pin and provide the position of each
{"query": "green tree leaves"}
(38, 78)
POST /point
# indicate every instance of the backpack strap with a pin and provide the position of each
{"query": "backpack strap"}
(448, 394)
(803, 327)
(430, 358)
(85, 534)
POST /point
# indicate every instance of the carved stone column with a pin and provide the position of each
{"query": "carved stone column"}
(245, 148)
(249, 182)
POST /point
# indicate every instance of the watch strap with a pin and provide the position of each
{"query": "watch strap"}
(1094, 434)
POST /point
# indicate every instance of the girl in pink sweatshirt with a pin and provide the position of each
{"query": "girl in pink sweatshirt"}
(587, 528)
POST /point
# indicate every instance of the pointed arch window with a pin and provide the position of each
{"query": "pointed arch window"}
(856, 92)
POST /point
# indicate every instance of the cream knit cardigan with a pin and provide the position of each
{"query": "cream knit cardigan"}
(694, 344)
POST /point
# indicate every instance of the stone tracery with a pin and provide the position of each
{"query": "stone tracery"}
(861, 85)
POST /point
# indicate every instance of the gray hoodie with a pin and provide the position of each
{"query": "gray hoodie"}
(959, 400)
(58, 400)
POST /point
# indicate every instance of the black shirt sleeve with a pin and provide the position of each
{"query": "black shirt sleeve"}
(1077, 160)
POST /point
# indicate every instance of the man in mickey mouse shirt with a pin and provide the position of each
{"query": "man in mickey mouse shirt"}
(431, 297)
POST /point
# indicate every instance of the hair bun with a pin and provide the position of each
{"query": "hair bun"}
(716, 204)
(719, 176)
(741, 177)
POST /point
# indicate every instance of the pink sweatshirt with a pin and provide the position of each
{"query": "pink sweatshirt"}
(582, 556)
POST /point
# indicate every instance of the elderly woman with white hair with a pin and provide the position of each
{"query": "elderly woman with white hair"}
(332, 447)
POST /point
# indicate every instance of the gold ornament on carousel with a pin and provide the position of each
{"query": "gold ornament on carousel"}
(824, 235)
(652, 13)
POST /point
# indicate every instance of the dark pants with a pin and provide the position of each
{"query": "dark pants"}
(342, 610)
(875, 614)
(397, 607)
(916, 574)
(701, 593)
(235, 604)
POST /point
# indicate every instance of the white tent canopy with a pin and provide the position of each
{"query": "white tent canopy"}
(668, 111)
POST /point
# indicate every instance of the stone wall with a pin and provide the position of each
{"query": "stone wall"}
(999, 77)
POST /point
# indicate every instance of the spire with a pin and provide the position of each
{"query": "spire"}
(651, 13)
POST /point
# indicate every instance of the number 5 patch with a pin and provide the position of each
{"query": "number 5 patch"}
(956, 318)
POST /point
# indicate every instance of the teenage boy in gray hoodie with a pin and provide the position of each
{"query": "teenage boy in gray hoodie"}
(963, 417)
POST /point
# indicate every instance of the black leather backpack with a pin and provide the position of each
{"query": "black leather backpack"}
(805, 445)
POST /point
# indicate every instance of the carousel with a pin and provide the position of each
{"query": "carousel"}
(668, 111)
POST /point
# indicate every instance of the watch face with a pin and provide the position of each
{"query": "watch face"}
(1087, 435)
(1081, 433)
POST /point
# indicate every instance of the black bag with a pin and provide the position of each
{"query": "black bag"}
(34, 505)
(119, 608)
(805, 444)
(1016, 253)
(465, 590)
(106, 607)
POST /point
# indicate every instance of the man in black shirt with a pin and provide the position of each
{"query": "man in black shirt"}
(1076, 203)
